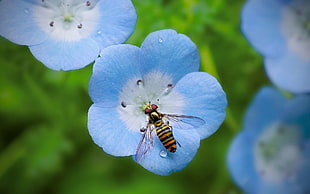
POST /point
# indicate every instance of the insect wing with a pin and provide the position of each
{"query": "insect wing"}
(145, 144)
(184, 120)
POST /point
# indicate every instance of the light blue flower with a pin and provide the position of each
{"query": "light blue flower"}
(163, 72)
(272, 152)
(66, 34)
(280, 31)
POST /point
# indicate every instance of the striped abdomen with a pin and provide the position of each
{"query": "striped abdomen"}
(165, 135)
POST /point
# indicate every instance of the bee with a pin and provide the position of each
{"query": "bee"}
(160, 122)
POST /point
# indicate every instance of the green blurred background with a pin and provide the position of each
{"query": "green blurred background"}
(44, 142)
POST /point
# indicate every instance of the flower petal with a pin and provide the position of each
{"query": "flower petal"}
(304, 172)
(297, 113)
(117, 22)
(189, 141)
(269, 106)
(266, 108)
(63, 55)
(240, 161)
(18, 24)
(261, 24)
(289, 72)
(110, 133)
(169, 52)
(111, 71)
(204, 98)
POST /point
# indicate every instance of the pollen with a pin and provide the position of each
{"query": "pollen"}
(79, 26)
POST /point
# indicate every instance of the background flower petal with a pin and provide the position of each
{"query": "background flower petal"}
(261, 25)
(169, 52)
(304, 172)
(117, 22)
(189, 141)
(111, 72)
(61, 55)
(240, 161)
(269, 106)
(266, 107)
(110, 133)
(204, 98)
(290, 72)
(297, 112)
(18, 24)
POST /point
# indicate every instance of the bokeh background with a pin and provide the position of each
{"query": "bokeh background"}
(44, 142)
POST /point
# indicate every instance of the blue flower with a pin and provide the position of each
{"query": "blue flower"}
(272, 152)
(280, 31)
(66, 34)
(128, 80)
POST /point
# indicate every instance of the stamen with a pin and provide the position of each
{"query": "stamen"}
(143, 129)
(82, 6)
(166, 91)
(79, 26)
(139, 82)
(48, 4)
(123, 104)
(170, 86)
(51, 23)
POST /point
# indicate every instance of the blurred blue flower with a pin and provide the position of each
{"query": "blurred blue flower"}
(162, 72)
(272, 152)
(66, 34)
(280, 31)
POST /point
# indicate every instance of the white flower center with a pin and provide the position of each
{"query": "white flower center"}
(296, 27)
(67, 20)
(153, 88)
(277, 152)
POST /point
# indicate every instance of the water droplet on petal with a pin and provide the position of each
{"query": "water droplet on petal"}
(99, 32)
(163, 153)
(160, 40)
(26, 11)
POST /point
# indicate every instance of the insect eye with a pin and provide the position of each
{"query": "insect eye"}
(147, 110)
(154, 106)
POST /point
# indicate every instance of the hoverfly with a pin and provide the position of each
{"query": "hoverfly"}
(160, 122)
